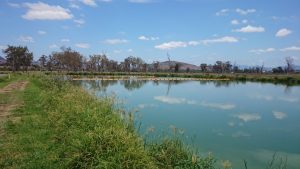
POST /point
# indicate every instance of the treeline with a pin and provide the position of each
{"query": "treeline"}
(20, 58)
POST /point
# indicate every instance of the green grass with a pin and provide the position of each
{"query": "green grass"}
(285, 79)
(62, 126)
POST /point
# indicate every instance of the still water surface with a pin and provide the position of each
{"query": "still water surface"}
(234, 121)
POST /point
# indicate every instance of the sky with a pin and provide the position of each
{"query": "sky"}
(245, 32)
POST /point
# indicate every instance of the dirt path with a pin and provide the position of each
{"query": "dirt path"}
(9, 99)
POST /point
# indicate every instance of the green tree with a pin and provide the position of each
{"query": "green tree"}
(18, 57)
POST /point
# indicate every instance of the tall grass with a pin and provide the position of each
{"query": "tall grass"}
(62, 126)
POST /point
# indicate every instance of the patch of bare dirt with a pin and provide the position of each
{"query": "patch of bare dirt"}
(9, 100)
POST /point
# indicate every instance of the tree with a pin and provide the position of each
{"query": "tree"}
(42, 61)
(156, 66)
(18, 56)
(203, 67)
(177, 67)
(289, 62)
(67, 59)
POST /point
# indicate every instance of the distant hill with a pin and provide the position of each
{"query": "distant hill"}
(2, 60)
(183, 66)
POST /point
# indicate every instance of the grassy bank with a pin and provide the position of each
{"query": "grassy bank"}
(62, 126)
(285, 79)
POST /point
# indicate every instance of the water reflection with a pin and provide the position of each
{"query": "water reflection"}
(231, 119)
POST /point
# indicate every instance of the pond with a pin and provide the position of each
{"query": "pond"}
(235, 121)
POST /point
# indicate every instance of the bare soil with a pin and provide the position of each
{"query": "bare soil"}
(9, 100)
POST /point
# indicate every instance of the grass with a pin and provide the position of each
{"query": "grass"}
(285, 79)
(62, 126)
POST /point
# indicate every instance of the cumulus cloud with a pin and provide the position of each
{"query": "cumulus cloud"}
(174, 100)
(2, 47)
(171, 45)
(262, 97)
(82, 45)
(234, 22)
(53, 46)
(170, 100)
(89, 2)
(279, 115)
(244, 12)
(222, 12)
(260, 51)
(65, 40)
(283, 32)
(147, 38)
(40, 32)
(250, 29)
(225, 39)
(223, 106)
(246, 117)
(115, 41)
(28, 39)
(289, 99)
(79, 21)
(43, 11)
(292, 48)
(182, 44)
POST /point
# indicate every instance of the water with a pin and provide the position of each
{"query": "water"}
(234, 121)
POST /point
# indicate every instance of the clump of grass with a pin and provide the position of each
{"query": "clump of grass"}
(173, 153)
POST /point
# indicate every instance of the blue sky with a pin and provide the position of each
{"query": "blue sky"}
(245, 32)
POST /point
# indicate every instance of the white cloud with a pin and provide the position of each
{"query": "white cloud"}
(246, 117)
(171, 45)
(279, 115)
(262, 97)
(193, 43)
(2, 47)
(65, 40)
(222, 12)
(283, 32)
(40, 32)
(147, 38)
(225, 39)
(89, 2)
(181, 44)
(43, 11)
(222, 106)
(245, 12)
(129, 50)
(174, 100)
(140, 1)
(82, 45)
(234, 22)
(244, 21)
(79, 21)
(115, 41)
(292, 48)
(250, 29)
(53, 46)
(259, 51)
(28, 39)
(170, 100)
(289, 99)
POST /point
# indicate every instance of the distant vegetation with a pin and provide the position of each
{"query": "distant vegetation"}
(19, 58)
